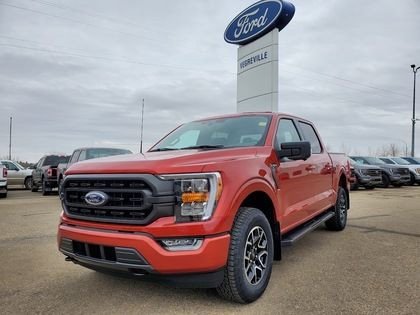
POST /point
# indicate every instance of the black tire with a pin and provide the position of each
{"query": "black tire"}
(34, 187)
(385, 181)
(236, 285)
(370, 187)
(3, 195)
(28, 183)
(412, 180)
(44, 191)
(339, 220)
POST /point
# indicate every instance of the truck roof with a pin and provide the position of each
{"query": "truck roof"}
(252, 114)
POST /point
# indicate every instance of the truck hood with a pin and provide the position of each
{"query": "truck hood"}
(365, 167)
(166, 162)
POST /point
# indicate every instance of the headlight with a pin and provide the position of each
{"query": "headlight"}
(391, 170)
(418, 170)
(196, 195)
(364, 172)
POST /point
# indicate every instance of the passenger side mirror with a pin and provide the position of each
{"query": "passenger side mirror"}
(295, 150)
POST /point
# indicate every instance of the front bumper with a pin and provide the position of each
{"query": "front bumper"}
(370, 180)
(153, 260)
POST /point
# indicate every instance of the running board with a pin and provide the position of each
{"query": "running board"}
(291, 237)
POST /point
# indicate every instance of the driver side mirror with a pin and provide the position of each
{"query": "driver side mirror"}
(295, 150)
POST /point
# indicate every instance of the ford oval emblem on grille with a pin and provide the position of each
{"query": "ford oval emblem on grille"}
(96, 198)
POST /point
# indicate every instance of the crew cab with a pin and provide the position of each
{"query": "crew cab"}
(3, 181)
(82, 154)
(391, 174)
(413, 168)
(45, 173)
(367, 176)
(210, 205)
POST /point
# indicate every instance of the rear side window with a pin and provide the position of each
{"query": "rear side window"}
(310, 135)
(388, 161)
(286, 132)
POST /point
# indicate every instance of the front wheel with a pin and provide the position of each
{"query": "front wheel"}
(250, 259)
(339, 220)
(45, 192)
(385, 181)
(28, 183)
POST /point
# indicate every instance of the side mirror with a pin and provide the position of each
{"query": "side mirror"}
(295, 150)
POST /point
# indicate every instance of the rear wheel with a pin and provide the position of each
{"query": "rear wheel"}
(28, 183)
(250, 257)
(339, 220)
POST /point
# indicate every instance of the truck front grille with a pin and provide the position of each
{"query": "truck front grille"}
(130, 200)
(374, 172)
(403, 171)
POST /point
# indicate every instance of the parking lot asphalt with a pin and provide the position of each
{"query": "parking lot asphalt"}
(372, 267)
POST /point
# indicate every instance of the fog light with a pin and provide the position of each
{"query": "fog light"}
(178, 244)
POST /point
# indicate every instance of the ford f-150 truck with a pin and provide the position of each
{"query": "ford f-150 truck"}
(210, 205)
(45, 173)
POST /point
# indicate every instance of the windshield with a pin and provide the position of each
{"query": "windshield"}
(352, 161)
(103, 152)
(54, 160)
(400, 161)
(244, 131)
(374, 161)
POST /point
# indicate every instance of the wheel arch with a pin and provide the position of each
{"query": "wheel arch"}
(261, 195)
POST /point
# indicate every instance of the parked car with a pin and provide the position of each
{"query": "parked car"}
(87, 154)
(210, 205)
(17, 174)
(391, 174)
(3, 181)
(368, 177)
(412, 160)
(413, 168)
(45, 173)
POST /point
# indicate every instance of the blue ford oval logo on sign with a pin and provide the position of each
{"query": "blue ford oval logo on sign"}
(96, 198)
(257, 20)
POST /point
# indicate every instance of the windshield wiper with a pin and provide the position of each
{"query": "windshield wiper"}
(204, 146)
(163, 149)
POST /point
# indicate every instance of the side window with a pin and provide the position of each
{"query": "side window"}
(286, 132)
(310, 135)
(82, 156)
(10, 166)
(74, 157)
(40, 163)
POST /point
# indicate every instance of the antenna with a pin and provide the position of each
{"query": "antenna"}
(141, 127)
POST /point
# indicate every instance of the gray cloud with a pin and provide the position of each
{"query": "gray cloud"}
(74, 73)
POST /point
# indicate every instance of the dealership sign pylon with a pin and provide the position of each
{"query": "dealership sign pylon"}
(256, 30)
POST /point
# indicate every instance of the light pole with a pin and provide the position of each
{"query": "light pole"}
(413, 128)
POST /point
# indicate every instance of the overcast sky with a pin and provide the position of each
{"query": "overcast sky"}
(73, 73)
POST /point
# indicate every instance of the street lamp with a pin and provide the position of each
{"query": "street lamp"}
(413, 128)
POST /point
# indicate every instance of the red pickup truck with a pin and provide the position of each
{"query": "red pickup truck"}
(210, 205)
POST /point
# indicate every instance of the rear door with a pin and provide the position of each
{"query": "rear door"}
(12, 173)
(292, 177)
(320, 170)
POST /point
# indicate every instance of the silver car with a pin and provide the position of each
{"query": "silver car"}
(17, 174)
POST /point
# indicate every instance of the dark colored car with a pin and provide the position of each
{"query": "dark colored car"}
(45, 173)
(87, 154)
(413, 168)
(391, 174)
(367, 176)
